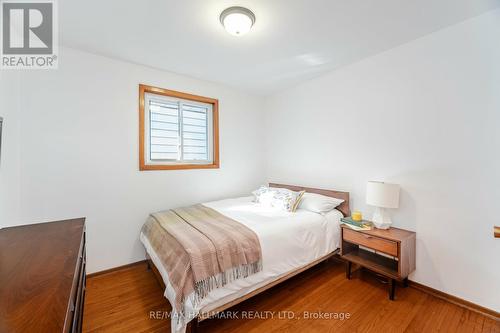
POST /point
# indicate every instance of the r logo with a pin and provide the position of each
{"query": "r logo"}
(27, 28)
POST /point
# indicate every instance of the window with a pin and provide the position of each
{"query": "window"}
(177, 130)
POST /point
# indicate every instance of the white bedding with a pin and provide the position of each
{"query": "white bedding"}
(288, 241)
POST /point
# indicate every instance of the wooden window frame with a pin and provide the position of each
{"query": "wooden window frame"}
(143, 166)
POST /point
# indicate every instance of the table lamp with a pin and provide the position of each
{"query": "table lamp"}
(382, 196)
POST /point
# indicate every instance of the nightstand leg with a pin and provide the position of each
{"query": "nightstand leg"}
(405, 283)
(348, 270)
(392, 289)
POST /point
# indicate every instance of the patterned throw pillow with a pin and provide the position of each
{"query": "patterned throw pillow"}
(286, 200)
(280, 198)
(258, 194)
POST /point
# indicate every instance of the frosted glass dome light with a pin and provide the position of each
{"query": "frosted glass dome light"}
(237, 20)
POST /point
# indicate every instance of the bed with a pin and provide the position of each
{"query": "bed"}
(290, 242)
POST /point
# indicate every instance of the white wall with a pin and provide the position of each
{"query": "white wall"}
(78, 143)
(9, 159)
(424, 115)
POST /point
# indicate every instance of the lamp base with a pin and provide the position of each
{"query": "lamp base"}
(381, 218)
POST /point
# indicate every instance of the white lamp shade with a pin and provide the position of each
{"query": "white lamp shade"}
(380, 194)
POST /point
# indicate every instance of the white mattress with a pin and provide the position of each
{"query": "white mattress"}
(288, 241)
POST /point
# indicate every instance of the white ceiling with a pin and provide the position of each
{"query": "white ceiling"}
(291, 41)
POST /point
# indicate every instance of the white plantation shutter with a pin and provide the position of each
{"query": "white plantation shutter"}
(164, 130)
(194, 132)
(179, 130)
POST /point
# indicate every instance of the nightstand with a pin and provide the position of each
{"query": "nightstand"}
(390, 253)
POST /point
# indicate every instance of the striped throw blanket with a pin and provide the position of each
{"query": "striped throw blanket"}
(201, 250)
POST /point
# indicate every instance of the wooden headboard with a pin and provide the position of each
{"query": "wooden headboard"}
(343, 208)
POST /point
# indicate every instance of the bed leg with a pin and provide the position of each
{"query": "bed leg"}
(149, 264)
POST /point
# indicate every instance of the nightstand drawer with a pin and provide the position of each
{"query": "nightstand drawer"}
(372, 242)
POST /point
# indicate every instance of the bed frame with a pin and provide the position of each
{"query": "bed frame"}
(343, 208)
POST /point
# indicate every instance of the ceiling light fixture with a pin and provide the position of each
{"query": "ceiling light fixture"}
(237, 20)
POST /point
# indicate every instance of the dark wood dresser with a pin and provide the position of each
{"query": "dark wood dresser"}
(42, 277)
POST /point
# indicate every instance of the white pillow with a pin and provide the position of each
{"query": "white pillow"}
(319, 203)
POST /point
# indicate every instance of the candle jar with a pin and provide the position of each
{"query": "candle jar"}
(357, 216)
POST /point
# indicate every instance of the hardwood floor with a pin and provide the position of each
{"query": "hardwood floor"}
(121, 301)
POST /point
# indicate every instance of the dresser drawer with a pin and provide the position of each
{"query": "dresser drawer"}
(372, 242)
(79, 284)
